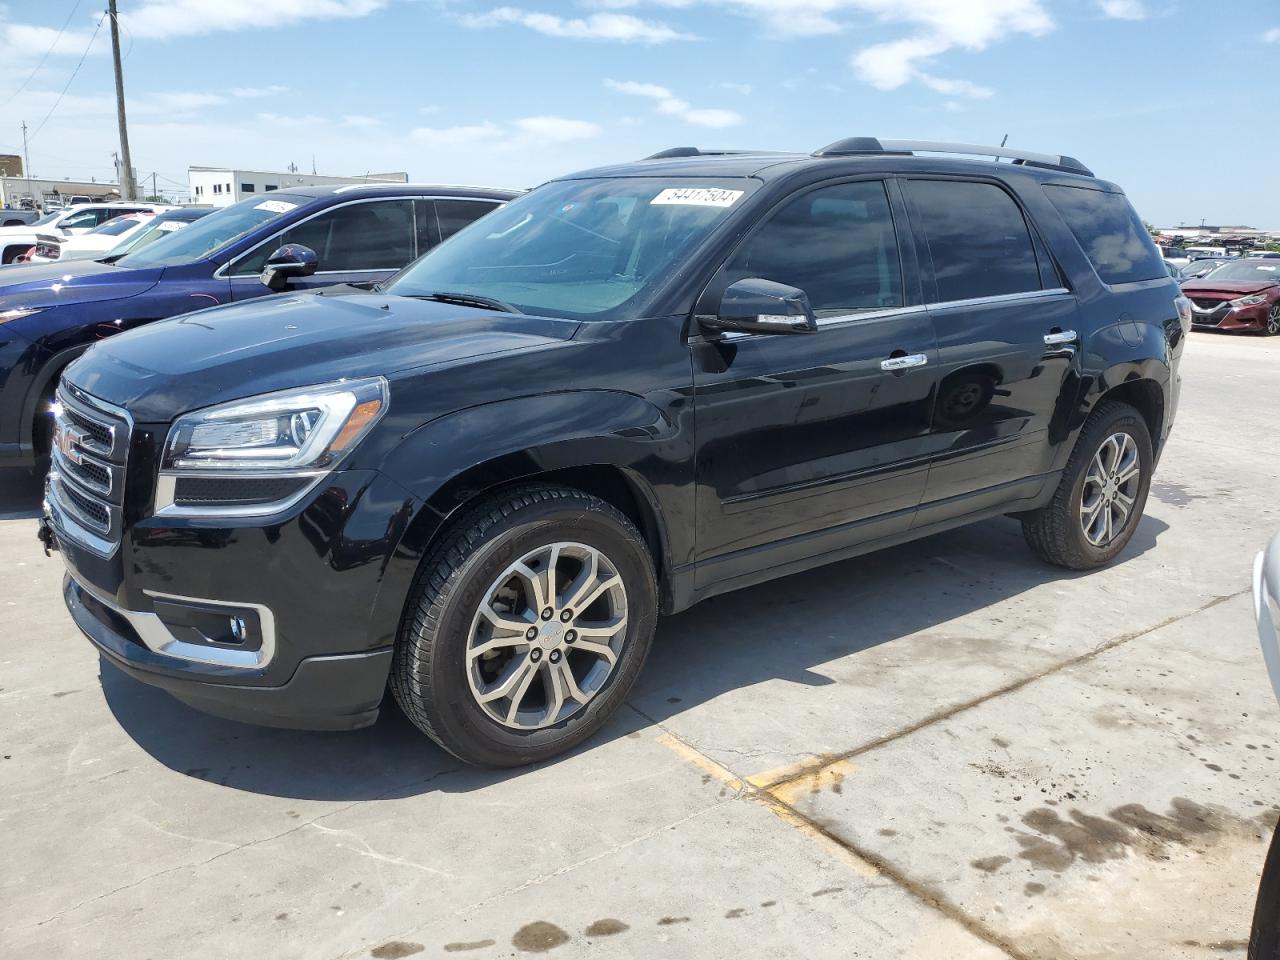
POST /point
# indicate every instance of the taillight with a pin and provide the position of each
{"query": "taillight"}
(50, 251)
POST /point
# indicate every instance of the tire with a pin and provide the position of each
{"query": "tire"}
(438, 676)
(1272, 327)
(1264, 941)
(1056, 532)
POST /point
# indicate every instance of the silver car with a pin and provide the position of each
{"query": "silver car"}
(1264, 944)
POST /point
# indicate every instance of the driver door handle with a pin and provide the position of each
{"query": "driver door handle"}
(1058, 337)
(905, 362)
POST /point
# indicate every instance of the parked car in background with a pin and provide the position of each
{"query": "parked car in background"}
(1198, 268)
(1241, 294)
(482, 481)
(1174, 255)
(1264, 944)
(161, 225)
(1263, 254)
(19, 241)
(18, 218)
(52, 312)
(92, 244)
(1200, 253)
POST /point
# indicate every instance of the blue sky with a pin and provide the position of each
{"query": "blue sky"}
(512, 94)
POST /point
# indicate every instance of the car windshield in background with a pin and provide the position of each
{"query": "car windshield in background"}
(209, 234)
(144, 238)
(577, 248)
(113, 228)
(1247, 271)
(47, 218)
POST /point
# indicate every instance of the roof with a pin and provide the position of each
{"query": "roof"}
(360, 190)
(852, 154)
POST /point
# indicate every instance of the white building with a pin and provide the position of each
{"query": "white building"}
(223, 186)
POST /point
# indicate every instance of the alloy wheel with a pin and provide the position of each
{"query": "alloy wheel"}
(1110, 489)
(547, 636)
(1273, 321)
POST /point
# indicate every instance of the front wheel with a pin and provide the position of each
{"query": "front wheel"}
(527, 626)
(1273, 321)
(1102, 493)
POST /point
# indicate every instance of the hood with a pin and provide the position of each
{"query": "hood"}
(1233, 288)
(241, 350)
(82, 281)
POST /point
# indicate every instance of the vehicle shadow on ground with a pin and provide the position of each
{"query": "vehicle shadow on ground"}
(780, 630)
(21, 494)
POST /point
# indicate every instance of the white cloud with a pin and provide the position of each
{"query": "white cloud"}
(597, 26)
(742, 88)
(160, 19)
(457, 136)
(667, 102)
(557, 129)
(1123, 9)
(1272, 35)
(249, 92)
(359, 120)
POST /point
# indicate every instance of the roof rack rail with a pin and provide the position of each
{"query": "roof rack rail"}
(871, 146)
(674, 152)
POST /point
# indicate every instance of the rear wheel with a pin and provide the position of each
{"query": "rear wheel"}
(1102, 493)
(527, 626)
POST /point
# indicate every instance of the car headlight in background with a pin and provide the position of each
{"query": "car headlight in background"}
(259, 455)
(18, 313)
(1250, 301)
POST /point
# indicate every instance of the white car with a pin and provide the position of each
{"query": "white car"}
(87, 246)
(16, 241)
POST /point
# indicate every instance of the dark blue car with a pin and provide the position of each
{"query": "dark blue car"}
(362, 233)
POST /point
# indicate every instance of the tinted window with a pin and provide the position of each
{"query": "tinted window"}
(977, 238)
(213, 232)
(453, 215)
(1110, 232)
(377, 235)
(837, 244)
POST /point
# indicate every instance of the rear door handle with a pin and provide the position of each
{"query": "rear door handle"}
(1058, 337)
(905, 362)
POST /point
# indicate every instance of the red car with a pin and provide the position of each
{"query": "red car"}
(1240, 295)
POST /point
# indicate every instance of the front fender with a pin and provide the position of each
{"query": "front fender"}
(447, 462)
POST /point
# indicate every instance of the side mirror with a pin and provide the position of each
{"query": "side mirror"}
(762, 306)
(290, 261)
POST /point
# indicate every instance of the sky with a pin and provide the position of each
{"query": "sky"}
(1173, 99)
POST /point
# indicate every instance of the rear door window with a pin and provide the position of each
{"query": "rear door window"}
(369, 235)
(1110, 232)
(976, 237)
(453, 215)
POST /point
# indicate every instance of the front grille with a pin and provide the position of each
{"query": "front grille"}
(1204, 303)
(89, 459)
(195, 491)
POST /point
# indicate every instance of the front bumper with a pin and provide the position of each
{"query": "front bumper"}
(1225, 317)
(325, 693)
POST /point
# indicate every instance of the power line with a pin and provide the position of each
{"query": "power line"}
(71, 79)
(65, 24)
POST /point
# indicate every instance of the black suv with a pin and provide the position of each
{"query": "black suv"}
(626, 391)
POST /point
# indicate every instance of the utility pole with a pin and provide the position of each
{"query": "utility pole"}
(26, 165)
(127, 189)
(153, 184)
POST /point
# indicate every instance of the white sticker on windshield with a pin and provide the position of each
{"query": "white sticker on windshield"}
(168, 226)
(1268, 269)
(275, 206)
(698, 197)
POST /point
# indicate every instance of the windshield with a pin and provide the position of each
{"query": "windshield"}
(577, 248)
(47, 218)
(113, 228)
(1257, 271)
(144, 238)
(209, 234)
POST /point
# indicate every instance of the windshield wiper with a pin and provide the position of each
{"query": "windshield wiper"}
(468, 300)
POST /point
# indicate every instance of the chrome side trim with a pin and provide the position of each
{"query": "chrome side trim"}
(1000, 298)
(157, 638)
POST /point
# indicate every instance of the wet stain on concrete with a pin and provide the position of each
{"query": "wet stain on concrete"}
(63, 693)
(539, 937)
(282, 916)
(607, 927)
(1033, 889)
(464, 945)
(669, 921)
(735, 913)
(1057, 842)
(1174, 494)
(989, 864)
(395, 949)
(1000, 742)
(886, 832)
(826, 891)
(769, 903)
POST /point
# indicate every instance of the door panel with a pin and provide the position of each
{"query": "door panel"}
(806, 444)
(994, 296)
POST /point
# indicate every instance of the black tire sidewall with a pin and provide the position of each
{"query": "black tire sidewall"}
(1123, 420)
(455, 716)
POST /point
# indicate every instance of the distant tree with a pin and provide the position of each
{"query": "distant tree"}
(156, 199)
(1150, 228)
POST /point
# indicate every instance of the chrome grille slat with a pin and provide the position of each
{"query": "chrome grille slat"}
(87, 474)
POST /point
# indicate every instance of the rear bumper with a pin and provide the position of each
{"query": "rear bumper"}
(341, 692)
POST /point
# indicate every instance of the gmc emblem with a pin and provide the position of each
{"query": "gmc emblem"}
(67, 440)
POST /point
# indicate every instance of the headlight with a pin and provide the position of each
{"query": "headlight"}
(290, 432)
(260, 456)
(18, 314)
(1250, 301)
